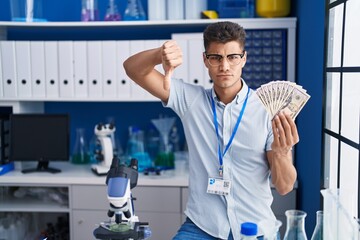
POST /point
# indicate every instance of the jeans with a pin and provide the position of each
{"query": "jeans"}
(189, 231)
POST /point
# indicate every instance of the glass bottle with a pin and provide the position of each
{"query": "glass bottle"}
(248, 231)
(89, 11)
(134, 11)
(318, 231)
(81, 151)
(295, 225)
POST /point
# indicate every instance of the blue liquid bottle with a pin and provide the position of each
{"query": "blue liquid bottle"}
(134, 11)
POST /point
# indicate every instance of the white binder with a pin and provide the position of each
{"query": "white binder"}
(8, 69)
(137, 93)
(109, 66)
(196, 63)
(51, 70)
(80, 69)
(66, 69)
(94, 69)
(123, 81)
(37, 53)
(181, 72)
(23, 62)
(150, 44)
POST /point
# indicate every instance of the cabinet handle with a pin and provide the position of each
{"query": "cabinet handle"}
(80, 221)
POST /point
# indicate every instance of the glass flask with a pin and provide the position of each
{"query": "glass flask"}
(112, 13)
(318, 231)
(295, 225)
(134, 11)
(81, 151)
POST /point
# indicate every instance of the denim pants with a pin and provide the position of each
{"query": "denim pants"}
(189, 231)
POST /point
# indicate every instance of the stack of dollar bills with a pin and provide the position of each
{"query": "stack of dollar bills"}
(284, 96)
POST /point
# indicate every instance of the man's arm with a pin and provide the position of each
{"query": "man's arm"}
(140, 68)
(283, 172)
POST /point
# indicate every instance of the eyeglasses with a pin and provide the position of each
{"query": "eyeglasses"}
(216, 59)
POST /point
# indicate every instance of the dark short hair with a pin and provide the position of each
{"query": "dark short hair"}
(223, 32)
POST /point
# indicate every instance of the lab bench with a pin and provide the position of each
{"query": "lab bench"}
(160, 200)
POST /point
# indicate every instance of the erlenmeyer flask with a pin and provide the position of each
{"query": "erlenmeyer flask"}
(81, 151)
(318, 231)
(295, 225)
(134, 11)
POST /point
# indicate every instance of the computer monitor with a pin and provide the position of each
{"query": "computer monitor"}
(39, 137)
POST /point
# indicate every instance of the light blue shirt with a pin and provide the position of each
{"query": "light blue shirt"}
(245, 163)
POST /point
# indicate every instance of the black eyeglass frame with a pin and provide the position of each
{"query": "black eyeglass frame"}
(222, 57)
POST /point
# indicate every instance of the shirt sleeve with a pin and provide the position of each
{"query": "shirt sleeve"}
(182, 95)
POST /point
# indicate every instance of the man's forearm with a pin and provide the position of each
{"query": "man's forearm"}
(283, 172)
(142, 64)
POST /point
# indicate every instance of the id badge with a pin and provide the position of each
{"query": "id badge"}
(218, 186)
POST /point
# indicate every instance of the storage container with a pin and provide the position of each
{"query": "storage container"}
(236, 8)
(272, 8)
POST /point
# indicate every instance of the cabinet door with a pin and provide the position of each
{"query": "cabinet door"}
(90, 197)
(281, 204)
(84, 222)
(163, 225)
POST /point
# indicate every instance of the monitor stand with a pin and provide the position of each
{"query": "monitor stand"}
(43, 166)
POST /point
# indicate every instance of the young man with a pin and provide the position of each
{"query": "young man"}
(235, 149)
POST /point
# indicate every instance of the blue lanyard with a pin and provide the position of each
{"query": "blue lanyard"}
(221, 155)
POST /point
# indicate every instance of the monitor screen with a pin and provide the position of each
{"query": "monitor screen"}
(39, 137)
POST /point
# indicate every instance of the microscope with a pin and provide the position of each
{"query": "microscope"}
(103, 133)
(123, 223)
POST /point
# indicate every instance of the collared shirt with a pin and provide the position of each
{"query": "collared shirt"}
(245, 163)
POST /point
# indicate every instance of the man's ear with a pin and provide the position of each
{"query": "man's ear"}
(205, 61)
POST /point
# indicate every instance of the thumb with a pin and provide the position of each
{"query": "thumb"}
(167, 78)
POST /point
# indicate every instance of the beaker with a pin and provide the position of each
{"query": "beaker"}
(295, 225)
(81, 151)
(135, 149)
(26, 11)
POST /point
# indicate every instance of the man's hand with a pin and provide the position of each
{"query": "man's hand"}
(285, 134)
(171, 58)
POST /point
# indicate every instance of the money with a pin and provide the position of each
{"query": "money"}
(283, 96)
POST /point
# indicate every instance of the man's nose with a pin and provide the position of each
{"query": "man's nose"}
(224, 64)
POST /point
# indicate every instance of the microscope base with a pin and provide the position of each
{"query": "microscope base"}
(136, 233)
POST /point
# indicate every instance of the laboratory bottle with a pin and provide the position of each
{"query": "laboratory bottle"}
(134, 11)
(295, 225)
(318, 231)
(89, 11)
(248, 231)
(81, 150)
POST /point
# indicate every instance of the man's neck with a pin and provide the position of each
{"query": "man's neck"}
(227, 95)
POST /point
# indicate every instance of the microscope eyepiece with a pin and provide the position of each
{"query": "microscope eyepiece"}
(134, 163)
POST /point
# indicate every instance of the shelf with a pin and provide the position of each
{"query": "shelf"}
(28, 204)
(246, 23)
